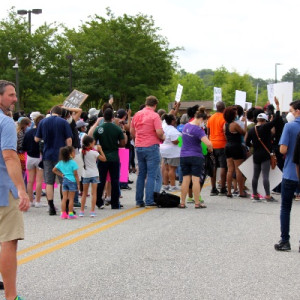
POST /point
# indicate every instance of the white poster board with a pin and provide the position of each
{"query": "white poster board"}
(240, 98)
(275, 176)
(178, 93)
(217, 96)
(283, 91)
(248, 105)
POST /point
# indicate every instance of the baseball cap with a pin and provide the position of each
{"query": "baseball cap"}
(81, 123)
(263, 116)
(121, 113)
(93, 112)
(34, 114)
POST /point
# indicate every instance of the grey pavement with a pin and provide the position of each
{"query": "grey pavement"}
(225, 251)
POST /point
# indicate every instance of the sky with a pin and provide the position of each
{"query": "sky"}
(246, 36)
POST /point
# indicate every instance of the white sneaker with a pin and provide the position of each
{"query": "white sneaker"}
(39, 204)
(165, 187)
(174, 188)
(32, 204)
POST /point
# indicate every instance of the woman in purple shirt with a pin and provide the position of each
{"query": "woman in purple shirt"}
(191, 157)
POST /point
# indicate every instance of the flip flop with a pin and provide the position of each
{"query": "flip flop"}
(197, 206)
(181, 205)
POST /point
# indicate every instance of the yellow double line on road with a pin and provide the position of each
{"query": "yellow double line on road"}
(77, 238)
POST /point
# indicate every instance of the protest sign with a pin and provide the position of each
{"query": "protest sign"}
(283, 91)
(124, 164)
(275, 175)
(178, 93)
(248, 105)
(75, 99)
(240, 98)
(217, 96)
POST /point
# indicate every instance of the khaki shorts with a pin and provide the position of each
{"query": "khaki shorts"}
(11, 221)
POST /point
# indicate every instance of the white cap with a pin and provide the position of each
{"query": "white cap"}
(263, 116)
(34, 114)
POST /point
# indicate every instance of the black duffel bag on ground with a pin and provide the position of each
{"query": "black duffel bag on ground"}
(166, 199)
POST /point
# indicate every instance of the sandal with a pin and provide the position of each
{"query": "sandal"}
(181, 205)
(229, 195)
(200, 205)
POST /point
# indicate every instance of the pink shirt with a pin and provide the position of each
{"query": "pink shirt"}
(145, 123)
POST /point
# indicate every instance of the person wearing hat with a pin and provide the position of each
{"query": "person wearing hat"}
(93, 112)
(261, 157)
(81, 127)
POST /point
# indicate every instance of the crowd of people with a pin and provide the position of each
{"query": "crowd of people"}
(80, 150)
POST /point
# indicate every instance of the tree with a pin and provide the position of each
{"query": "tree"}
(293, 76)
(124, 56)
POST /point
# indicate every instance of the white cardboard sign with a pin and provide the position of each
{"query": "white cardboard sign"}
(240, 98)
(217, 96)
(283, 91)
(178, 93)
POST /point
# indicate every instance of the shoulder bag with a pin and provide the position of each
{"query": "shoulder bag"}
(273, 158)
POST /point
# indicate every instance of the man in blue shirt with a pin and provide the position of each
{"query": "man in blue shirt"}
(290, 180)
(14, 198)
(56, 133)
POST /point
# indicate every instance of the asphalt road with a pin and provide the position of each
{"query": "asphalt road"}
(225, 251)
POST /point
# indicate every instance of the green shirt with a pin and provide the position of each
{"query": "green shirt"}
(109, 135)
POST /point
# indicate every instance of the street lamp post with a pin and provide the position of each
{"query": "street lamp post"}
(70, 58)
(277, 64)
(25, 12)
(16, 67)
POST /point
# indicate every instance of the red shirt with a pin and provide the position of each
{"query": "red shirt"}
(145, 123)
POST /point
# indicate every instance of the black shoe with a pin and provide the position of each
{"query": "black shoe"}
(52, 211)
(282, 246)
(214, 192)
(223, 192)
(1, 285)
(140, 205)
(130, 182)
(77, 204)
(151, 205)
(126, 187)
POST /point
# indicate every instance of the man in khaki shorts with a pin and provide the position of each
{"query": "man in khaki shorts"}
(13, 197)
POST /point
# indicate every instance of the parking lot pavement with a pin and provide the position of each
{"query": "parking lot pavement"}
(225, 251)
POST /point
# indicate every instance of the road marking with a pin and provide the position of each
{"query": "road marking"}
(62, 236)
(80, 237)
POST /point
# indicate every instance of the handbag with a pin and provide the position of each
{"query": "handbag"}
(166, 199)
(273, 158)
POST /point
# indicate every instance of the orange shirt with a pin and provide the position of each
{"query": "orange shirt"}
(216, 134)
(145, 123)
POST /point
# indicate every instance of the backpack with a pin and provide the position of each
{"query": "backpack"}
(166, 199)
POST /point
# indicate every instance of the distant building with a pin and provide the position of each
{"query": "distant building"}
(208, 104)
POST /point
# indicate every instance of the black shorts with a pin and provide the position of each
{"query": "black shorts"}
(235, 152)
(191, 165)
(220, 158)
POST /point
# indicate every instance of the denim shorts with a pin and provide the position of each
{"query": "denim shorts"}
(90, 180)
(68, 185)
(191, 165)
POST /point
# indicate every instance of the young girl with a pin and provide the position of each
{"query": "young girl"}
(90, 173)
(67, 168)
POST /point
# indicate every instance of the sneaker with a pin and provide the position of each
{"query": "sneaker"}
(71, 216)
(140, 205)
(32, 204)
(92, 214)
(19, 298)
(223, 192)
(200, 199)
(1, 285)
(297, 198)
(246, 195)
(151, 205)
(52, 211)
(77, 204)
(81, 214)
(275, 193)
(214, 192)
(190, 200)
(39, 204)
(282, 246)
(165, 187)
(174, 188)
(235, 193)
(64, 215)
(107, 201)
(101, 207)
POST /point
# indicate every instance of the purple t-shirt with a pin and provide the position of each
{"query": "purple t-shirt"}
(191, 141)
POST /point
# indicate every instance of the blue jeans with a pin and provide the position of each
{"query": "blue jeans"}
(148, 161)
(288, 188)
(158, 180)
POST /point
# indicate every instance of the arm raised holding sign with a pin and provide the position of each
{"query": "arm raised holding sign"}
(76, 112)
